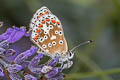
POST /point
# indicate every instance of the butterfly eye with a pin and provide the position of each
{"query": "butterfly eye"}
(60, 33)
(70, 55)
(49, 45)
(44, 46)
(61, 42)
(54, 43)
(56, 32)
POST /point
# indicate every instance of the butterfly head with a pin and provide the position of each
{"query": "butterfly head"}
(70, 54)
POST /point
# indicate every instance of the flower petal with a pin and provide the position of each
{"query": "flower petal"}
(53, 62)
(4, 44)
(14, 76)
(1, 72)
(35, 61)
(14, 68)
(29, 77)
(23, 56)
(52, 73)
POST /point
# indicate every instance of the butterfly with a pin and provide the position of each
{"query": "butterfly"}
(48, 35)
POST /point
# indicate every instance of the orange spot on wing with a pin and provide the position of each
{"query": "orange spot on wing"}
(58, 22)
(38, 17)
(36, 37)
(38, 31)
(40, 26)
(53, 21)
(43, 22)
(47, 19)
(46, 12)
(41, 14)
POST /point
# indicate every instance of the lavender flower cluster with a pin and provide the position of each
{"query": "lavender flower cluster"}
(23, 68)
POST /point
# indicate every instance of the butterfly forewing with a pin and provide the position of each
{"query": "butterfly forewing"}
(47, 33)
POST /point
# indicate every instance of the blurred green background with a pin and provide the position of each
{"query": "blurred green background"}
(82, 20)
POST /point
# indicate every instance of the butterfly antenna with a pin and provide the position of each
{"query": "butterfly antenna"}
(84, 43)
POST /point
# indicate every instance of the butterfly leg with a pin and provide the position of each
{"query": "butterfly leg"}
(68, 64)
(56, 72)
(49, 69)
(49, 66)
(34, 66)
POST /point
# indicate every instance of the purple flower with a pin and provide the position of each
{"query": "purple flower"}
(14, 68)
(27, 61)
(53, 62)
(9, 52)
(1, 71)
(4, 44)
(29, 77)
(23, 56)
(14, 76)
(14, 34)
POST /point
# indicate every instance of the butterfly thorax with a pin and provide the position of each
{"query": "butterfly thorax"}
(65, 57)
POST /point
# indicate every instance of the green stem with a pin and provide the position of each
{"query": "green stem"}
(92, 74)
(88, 62)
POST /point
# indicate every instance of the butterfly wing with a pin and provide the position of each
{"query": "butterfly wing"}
(48, 34)
(40, 12)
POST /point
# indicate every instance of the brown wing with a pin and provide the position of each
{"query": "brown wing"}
(49, 36)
